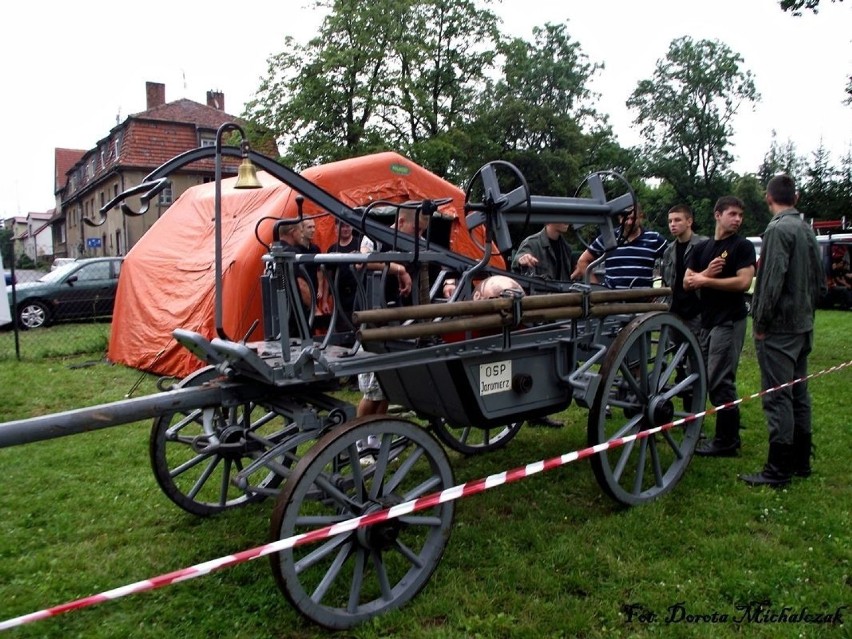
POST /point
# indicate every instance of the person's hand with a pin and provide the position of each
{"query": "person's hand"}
(404, 281)
(715, 267)
(529, 260)
(449, 288)
(759, 336)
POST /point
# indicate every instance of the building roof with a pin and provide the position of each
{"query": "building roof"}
(64, 161)
(147, 139)
(188, 112)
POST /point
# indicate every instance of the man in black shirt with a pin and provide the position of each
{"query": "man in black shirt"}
(343, 277)
(685, 304)
(309, 227)
(721, 270)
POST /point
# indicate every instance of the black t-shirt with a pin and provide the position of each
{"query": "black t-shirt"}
(311, 268)
(345, 279)
(718, 307)
(684, 303)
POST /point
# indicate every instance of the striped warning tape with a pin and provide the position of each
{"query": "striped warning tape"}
(428, 501)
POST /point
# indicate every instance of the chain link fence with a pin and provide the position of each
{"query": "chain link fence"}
(61, 312)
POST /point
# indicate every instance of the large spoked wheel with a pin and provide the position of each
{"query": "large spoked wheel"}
(353, 576)
(653, 374)
(470, 440)
(203, 459)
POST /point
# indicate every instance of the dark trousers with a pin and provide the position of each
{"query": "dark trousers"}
(783, 357)
(721, 347)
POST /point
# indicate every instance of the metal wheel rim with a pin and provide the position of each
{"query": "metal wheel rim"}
(471, 440)
(201, 483)
(644, 469)
(33, 316)
(348, 579)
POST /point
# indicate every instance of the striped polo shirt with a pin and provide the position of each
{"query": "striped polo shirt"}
(631, 265)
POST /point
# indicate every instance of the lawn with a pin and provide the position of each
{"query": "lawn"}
(549, 556)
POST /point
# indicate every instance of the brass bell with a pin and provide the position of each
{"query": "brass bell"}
(247, 176)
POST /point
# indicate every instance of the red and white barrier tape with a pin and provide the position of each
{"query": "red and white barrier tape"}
(428, 501)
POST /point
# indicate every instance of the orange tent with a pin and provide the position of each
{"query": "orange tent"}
(167, 279)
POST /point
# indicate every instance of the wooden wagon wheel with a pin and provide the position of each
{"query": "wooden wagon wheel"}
(347, 579)
(471, 440)
(653, 374)
(197, 474)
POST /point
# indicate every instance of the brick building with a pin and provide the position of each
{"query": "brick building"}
(85, 180)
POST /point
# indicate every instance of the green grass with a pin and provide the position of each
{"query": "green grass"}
(549, 556)
(60, 340)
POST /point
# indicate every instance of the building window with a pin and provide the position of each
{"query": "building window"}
(207, 139)
(166, 194)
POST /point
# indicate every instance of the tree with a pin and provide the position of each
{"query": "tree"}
(796, 6)
(320, 98)
(782, 159)
(685, 112)
(381, 74)
(815, 193)
(6, 245)
(539, 115)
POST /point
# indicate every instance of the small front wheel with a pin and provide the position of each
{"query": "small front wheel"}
(472, 440)
(197, 455)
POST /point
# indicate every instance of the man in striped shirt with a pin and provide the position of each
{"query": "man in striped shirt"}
(631, 263)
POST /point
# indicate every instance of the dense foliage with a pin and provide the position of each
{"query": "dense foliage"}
(437, 81)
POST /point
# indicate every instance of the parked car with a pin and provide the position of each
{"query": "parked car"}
(82, 289)
(61, 261)
(836, 251)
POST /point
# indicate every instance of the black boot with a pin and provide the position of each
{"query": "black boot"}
(777, 471)
(803, 450)
(727, 439)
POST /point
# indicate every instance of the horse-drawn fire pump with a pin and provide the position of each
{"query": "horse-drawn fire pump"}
(262, 420)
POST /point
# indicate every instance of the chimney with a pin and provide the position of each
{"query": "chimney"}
(216, 99)
(155, 92)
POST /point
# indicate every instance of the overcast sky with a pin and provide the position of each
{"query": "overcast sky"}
(72, 71)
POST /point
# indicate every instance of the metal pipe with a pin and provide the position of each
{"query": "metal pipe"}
(501, 319)
(482, 307)
(431, 329)
(126, 411)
